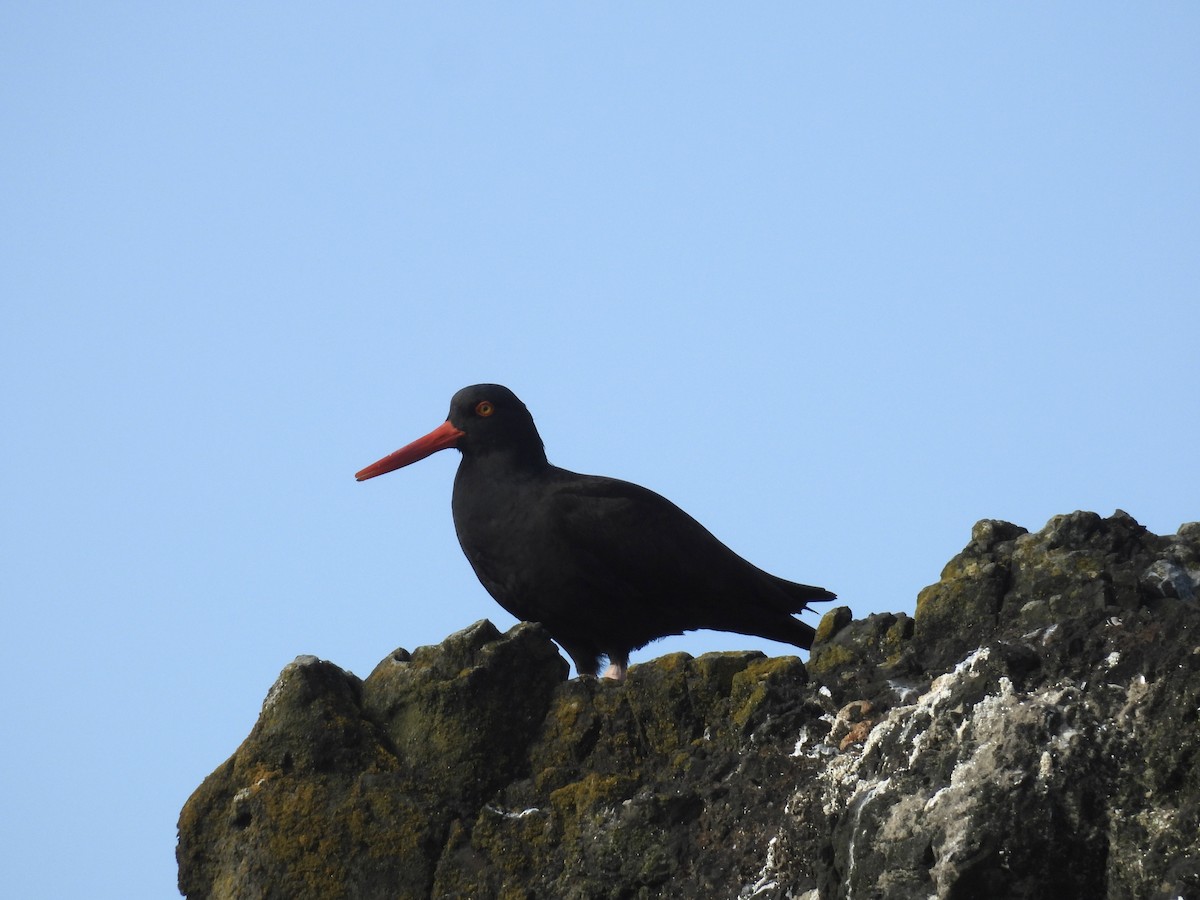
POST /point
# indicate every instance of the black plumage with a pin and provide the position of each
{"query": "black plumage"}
(605, 565)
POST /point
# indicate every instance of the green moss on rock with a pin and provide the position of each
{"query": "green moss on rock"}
(1034, 711)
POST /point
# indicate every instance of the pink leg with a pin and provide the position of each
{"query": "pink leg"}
(616, 671)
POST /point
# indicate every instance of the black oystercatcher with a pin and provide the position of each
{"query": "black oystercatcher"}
(606, 566)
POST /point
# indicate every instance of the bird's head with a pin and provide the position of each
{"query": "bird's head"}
(484, 419)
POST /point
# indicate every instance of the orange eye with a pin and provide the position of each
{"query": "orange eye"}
(484, 408)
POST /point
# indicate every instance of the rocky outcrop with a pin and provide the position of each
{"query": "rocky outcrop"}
(1032, 732)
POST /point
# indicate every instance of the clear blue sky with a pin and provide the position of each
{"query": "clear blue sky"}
(840, 282)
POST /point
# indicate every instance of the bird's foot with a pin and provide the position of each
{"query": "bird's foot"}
(615, 671)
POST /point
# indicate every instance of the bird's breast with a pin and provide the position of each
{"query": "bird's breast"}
(504, 533)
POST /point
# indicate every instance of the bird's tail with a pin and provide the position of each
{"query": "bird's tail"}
(800, 595)
(771, 616)
(791, 631)
(795, 598)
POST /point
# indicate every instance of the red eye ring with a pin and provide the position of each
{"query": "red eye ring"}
(484, 408)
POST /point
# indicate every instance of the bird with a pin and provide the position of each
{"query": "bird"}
(605, 566)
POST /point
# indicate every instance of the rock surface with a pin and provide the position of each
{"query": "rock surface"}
(1032, 732)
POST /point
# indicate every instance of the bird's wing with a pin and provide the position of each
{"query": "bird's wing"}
(656, 561)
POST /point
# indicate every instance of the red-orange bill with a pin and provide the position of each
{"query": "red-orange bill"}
(445, 435)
